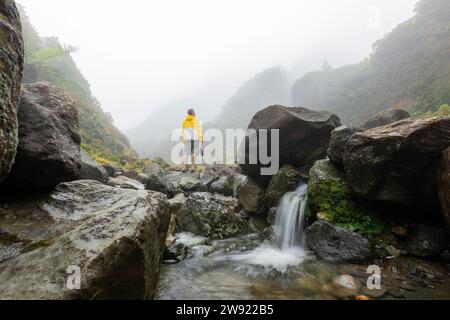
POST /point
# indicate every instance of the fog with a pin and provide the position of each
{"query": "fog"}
(139, 55)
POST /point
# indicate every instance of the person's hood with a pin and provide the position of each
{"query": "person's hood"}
(190, 118)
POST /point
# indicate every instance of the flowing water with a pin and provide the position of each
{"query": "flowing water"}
(249, 268)
(290, 220)
(246, 267)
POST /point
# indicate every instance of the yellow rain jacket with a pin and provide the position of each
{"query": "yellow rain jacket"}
(192, 129)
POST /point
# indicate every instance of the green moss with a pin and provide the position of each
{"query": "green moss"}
(331, 197)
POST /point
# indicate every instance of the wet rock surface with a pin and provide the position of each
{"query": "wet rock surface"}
(125, 183)
(11, 67)
(251, 195)
(49, 141)
(91, 169)
(332, 243)
(330, 199)
(398, 163)
(202, 214)
(444, 185)
(222, 186)
(286, 180)
(115, 236)
(338, 144)
(304, 136)
(384, 118)
(426, 241)
(110, 169)
(174, 182)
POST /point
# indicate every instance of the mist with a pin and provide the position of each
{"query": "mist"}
(141, 55)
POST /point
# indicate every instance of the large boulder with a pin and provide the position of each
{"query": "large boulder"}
(49, 139)
(444, 185)
(398, 163)
(251, 196)
(286, 180)
(154, 180)
(173, 182)
(116, 238)
(337, 244)
(338, 143)
(202, 214)
(384, 118)
(304, 136)
(330, 199)
(91, 169)
(11, 68)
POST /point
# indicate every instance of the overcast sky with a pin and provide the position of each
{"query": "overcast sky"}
(141, 54)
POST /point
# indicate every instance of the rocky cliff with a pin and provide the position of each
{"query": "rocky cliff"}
(409, 69)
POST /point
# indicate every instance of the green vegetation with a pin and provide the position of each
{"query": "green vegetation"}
(46, 59)
(443, 111)
(409, 69)
(330, 198)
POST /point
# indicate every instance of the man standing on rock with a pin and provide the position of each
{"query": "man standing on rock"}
(192, 137)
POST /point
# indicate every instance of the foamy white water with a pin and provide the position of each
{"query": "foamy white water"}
(287, 248)
(271, 258)
(288, 229)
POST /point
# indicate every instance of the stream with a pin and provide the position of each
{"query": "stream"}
(245, 267)
(248, 268)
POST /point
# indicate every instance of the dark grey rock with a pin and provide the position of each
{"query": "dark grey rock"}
(125, 183)
(399, 162)
(385, 118)
(175, 253)
(237, 179)
(444, 185)
(174, 182)
(202, 214)
(336, 244)
(338, 143)
(304, 136)
(142, 178)
(131, 174)
(426, 241)
(49, 139)
(110, 169)
(91, 169)
(222, 186)
(251, 196)
(115, 236)
(11, 67)
(286, 180)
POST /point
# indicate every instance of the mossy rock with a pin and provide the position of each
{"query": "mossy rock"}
(330, 199)
(287, 179)
(204, 215)
(11, 66)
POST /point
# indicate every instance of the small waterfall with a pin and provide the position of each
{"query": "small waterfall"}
(287, 246)
(288, 229)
